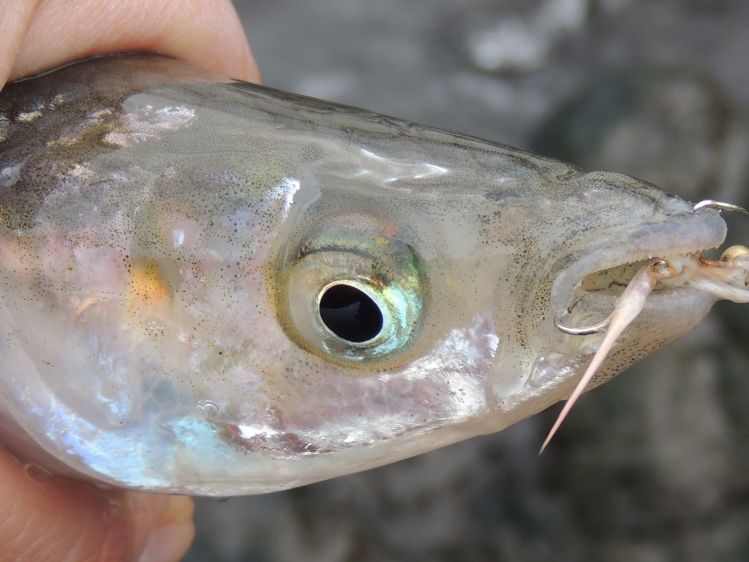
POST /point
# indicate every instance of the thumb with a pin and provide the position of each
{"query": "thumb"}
(49, 518)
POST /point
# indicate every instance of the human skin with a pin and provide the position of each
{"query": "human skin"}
(36, 35)
(45, 517)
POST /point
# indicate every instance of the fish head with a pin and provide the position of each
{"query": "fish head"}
(209, 287)
(461, 274)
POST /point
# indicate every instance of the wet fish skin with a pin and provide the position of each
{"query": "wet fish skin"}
(165, 235)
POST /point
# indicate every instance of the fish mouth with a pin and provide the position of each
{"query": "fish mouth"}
(594, 276)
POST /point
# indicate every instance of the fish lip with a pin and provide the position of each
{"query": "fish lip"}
(674, 235)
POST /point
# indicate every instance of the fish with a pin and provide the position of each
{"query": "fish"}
(216, 288)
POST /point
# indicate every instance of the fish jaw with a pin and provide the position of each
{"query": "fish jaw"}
(671, 228)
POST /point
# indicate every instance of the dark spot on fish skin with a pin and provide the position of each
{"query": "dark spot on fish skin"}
(79, 106)
(45, 161)
(506, 196)
(4, 126)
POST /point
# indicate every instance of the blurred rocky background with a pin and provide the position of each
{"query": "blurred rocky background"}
(653, 466)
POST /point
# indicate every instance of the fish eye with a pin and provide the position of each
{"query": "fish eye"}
(352, 295)
(349, 313)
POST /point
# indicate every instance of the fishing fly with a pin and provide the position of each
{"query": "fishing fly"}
(726, 278)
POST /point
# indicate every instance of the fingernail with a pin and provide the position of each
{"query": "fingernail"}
(170, 539)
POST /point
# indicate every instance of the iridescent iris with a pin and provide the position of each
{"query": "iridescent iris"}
(353, 294)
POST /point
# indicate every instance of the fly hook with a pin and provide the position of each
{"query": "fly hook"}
(582, 331)
(720, 206)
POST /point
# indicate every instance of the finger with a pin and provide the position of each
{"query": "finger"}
(15, 18)
(45, 518)
(207, 33)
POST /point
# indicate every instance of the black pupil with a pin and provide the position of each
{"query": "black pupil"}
(350, 314)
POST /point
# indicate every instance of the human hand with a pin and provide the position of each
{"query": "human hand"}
(50, 518)
(36, 35)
